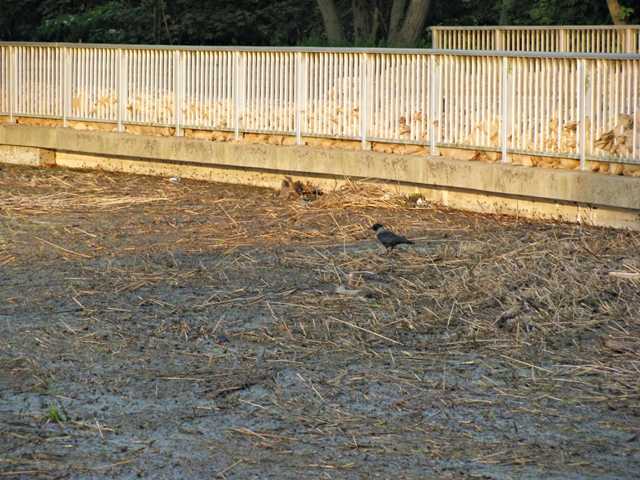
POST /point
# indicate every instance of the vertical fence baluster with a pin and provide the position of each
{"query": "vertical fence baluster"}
(298, 97)
(11, 80)
(364, 102)
(236, 95)
(177, 97)
(119, 87)
(503, 105)
(635, 147)
(432, 101)
(65, 86)
(582, 106)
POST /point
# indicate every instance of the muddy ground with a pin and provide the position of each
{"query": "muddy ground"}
(158, 329)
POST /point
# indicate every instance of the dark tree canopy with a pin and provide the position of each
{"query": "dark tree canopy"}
(285, 22)
(178, 22)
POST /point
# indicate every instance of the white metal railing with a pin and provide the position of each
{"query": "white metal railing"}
(584, 39)
(573, 106)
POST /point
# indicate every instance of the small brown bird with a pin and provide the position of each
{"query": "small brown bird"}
(288, 192)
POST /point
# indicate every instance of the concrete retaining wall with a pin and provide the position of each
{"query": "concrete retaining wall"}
(490, 188)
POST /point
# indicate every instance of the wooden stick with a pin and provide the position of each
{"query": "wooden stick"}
(365, 330)
(62, 248)
(629, 275)
(221, 473)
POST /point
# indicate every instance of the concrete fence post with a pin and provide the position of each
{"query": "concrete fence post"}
(563, 42)
(499, 42)
(631, 35)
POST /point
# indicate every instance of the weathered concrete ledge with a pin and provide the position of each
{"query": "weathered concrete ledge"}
(528, 192)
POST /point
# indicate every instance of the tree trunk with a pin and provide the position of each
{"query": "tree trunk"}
(614, 10)
(505, 12)
(397, 13)
(361, 21)
(332, 23)
(409, 32)
(366, 20)
(155, 22)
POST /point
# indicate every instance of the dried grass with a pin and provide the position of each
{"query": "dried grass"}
(359, 195)
(484, 324)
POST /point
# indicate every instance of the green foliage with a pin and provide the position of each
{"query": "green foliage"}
(565, 12)
(53, 414)
(534, 12)
(626, 13)
(464, 12)
(260, 22)
(18, 20)
(291, 22)
(182, 22)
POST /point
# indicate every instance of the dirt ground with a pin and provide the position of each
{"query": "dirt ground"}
(159, 329)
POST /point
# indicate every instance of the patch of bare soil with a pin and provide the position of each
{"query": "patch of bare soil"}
(161, 329)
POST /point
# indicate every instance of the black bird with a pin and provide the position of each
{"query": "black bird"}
(387, 238)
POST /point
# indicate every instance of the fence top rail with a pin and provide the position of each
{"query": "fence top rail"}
(543, 27)
(406, 51)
